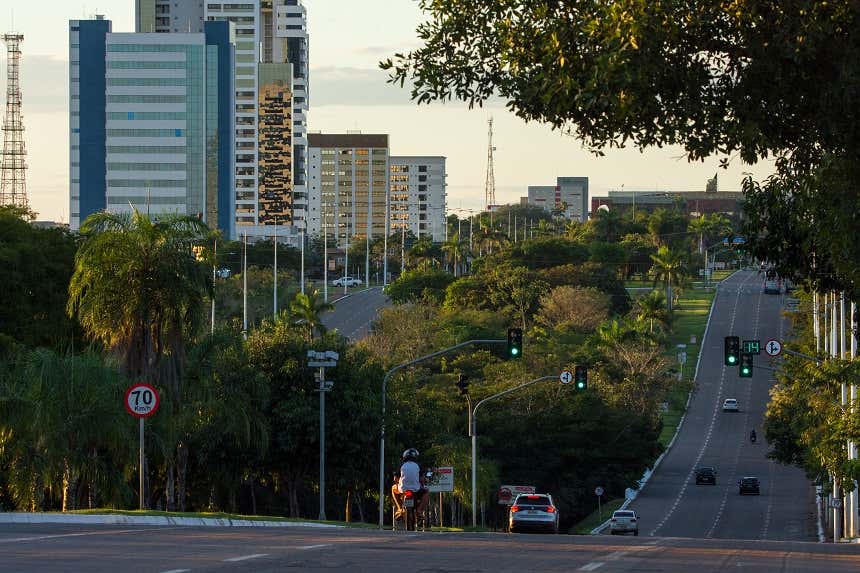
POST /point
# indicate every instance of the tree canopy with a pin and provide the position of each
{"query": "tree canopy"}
(750, 78)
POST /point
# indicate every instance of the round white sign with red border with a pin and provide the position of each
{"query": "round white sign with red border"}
(141, 400)
(773, 347)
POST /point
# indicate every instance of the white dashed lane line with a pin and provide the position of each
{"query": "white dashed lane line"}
(714, 415)
(245, 557)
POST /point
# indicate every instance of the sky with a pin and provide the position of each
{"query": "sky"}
(348, 92)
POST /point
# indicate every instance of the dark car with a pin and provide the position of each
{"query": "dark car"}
(748, 485)
(706, 475)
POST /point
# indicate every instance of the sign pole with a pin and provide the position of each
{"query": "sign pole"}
(140, 464)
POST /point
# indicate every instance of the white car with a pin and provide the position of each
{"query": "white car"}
(624, 521)
(346, 281)
(730, 405)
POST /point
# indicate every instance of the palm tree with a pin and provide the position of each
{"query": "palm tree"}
(668, 268)
(307, 310)
(456, 251)
(700, 226)
(653, 307)
(139, 290)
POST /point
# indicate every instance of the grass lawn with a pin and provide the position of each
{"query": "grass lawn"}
(691, 316)
(585, 526)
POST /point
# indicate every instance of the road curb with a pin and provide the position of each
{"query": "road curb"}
(120, 519)
(649, 472)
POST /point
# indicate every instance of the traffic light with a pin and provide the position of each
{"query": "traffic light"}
(580, 377)
(462, 384)
(733, 351)
(746, 369)
(515, 342)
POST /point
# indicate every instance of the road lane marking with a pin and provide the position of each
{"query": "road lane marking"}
(591, 566)
(61, 535)
(714, 415)
(748, 400)
(245, 557)
(304, 547)
(177, 571)
(616, 555)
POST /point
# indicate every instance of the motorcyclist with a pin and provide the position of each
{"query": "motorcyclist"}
(410, 480)
(752, 435)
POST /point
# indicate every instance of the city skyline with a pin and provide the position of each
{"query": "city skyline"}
(348, 92)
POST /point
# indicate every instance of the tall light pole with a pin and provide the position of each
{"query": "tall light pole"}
(302, 279)
(275, 278)
(325, 251)
(245, 286)
(214, 276)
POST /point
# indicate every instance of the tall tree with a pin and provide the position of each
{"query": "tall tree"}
(307, 310)
(139, 290)
(756, 79)
(668, 268)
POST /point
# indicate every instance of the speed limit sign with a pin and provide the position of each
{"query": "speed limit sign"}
(141, 400)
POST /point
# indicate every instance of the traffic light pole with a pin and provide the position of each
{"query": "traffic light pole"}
(473, 431)
(385, 385)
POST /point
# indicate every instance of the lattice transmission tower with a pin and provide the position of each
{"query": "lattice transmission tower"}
(490, 184)
(13, 187)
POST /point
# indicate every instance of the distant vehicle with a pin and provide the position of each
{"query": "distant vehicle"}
(789, 286)
(772, 285)
(346, 281)
(730, 405)
(748, 485)
(706, 475)
(223, 273)
(624, 521)
(533, 511)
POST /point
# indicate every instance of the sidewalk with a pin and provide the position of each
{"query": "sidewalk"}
(124, 519)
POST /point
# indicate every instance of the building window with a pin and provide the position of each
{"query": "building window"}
(422, 169)
(422, 178)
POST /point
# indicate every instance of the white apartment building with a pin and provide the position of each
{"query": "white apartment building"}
(569, 197)
(418, 195)
(268, 32)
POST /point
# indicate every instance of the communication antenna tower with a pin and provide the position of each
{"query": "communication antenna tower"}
(13, 189)
(490, 184)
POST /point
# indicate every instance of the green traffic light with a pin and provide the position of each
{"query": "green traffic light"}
(515, 351)
(732, 359)
(746, 370)
(580, 384)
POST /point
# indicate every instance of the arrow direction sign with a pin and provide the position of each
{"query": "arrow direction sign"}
(773, 347)
(566, 377)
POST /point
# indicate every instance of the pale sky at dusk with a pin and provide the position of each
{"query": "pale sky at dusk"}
(347, 92)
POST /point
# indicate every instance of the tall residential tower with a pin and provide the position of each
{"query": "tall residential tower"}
(271, 93)
(151, 119)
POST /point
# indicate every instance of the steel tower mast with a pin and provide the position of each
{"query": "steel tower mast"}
(490, 184)
(13, 189)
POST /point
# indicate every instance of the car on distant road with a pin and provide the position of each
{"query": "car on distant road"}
(730, 405)
(533, 512)
(706, 475)
(748, 485)
(624, 521)
(346, 281)
(772, 285)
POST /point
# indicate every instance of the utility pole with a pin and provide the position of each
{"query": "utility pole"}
(214, 276)
(302, 280)
(325, 253)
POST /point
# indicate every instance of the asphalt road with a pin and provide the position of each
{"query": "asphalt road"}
(671, 504)
(353, 315)
(84, 549)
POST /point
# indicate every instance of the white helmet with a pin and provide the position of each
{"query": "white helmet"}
(410, 455)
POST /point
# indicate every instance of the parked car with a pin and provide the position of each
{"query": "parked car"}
(346, 281)
(533, 511)
(730, 405)
(624, 521)
(706, 475)
(748, 485)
